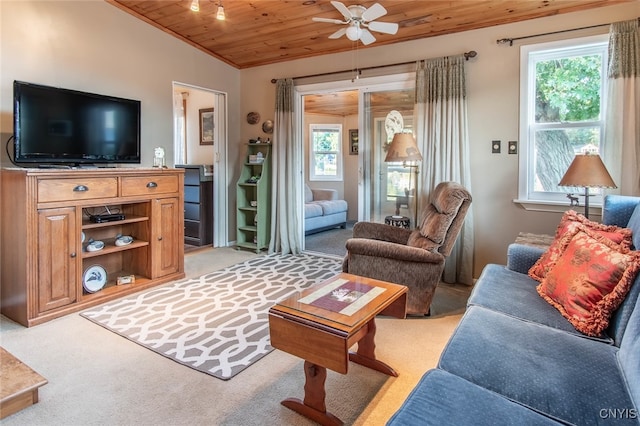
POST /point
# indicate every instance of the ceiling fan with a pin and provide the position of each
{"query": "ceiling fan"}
(360, 20)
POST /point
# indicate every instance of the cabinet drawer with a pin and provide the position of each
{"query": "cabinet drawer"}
(50, 190)
(192, 176)
(192, 194)
(145, 185)
(191, 211)
(191, 229)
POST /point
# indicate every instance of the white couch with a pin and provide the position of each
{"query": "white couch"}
(323, 210)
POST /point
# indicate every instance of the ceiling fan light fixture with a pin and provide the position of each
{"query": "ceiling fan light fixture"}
(220, 16)
(195, 5)
(354, 32)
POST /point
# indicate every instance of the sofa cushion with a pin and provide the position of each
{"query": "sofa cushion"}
(332, 207)
(634, 225)
(617, 209)
(548, 370)
(514, 294)
(308, 194)
(521, 257)
(569, 222)
(629, 355)
(440, 398)
(312, 210)
(589, 280)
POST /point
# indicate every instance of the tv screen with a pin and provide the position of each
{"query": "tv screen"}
(62, 126)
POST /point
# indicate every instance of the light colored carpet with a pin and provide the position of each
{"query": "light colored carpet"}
(98, 378)
(216, 323)
(331, 241)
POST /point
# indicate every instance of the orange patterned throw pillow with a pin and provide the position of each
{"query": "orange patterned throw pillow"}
(568, 224)
(589, 279)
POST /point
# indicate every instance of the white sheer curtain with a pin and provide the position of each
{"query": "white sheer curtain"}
(621, 148)
(286, 166)
(442, 136)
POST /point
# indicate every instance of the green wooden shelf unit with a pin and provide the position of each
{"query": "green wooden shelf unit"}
(254, 199)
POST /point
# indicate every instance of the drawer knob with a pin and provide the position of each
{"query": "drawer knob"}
(159, 238)
(81, 188)
(152, 185)
(73, 255)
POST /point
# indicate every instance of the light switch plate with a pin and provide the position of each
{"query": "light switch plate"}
(495, 147)
(513, 147)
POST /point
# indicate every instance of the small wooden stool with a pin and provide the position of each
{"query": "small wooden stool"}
(19, 384)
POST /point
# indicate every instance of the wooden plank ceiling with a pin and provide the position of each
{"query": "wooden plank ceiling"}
(259, 32)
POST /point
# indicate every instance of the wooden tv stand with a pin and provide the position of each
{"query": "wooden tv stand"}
(44, 215)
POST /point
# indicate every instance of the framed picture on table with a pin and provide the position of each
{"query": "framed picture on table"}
(206, 126)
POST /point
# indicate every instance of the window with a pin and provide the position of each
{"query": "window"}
(561, 113)
(326, 152)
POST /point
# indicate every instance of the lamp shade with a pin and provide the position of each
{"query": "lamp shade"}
(403, 148)
(587, 170)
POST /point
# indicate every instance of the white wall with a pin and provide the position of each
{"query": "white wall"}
(93, 46)
(493, 94)
(196, 153)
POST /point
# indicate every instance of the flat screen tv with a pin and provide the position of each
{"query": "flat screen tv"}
(54, 126)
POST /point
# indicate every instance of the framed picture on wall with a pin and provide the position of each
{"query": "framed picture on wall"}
(206, 126)
(353, 142)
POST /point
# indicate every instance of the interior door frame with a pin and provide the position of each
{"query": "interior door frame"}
(219, 161)
(363, 85)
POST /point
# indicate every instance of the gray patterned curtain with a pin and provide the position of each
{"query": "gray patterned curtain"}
(621, 147)
(286, 166)
(442, 136)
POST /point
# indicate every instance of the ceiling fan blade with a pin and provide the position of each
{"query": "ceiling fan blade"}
(366, 37)
(374, 12)
(339, 33)
(383, 27)
(328, 20)
(342, 9)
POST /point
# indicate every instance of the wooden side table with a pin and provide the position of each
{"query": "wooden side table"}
(542, 241)
(320, 324)
(20, 384)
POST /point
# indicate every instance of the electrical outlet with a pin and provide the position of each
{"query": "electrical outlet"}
(513, 147)
(495, 147)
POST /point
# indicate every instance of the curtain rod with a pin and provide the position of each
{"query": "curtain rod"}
(511, 40)
(467, 56)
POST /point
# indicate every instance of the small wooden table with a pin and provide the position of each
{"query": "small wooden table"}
(321, 323)
(20, 384)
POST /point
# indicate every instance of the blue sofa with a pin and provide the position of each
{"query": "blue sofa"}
(514, 359)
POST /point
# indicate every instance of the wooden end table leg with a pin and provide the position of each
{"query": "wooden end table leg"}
(366, 352)
(313, 406)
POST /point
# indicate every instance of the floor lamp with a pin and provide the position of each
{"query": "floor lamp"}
(403, 148)
(587, 170)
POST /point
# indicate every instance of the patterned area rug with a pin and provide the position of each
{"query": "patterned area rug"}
(216, 323)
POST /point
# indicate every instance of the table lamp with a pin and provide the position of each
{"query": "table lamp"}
(587, 170)
(404, 148)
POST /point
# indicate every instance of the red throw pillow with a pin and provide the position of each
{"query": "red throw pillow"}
(589, 280)
(569, 223)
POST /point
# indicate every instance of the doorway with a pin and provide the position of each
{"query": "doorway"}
(365, 102)
(189, 149)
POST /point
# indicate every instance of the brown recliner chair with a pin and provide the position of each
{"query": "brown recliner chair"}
(412, 258)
